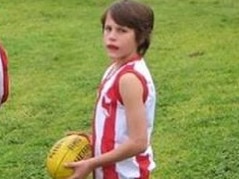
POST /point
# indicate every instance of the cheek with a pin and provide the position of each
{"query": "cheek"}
(133, 40)
(131, 43)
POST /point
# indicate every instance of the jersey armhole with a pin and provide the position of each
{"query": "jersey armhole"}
(139, 76)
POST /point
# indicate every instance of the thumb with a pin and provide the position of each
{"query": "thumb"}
(70, 165)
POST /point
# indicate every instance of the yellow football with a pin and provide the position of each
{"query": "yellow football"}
(71, 148)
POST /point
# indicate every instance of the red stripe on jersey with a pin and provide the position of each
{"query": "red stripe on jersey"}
(109, 172)
(3, 58)
(129, 69)
(143, 162)
(109, 132)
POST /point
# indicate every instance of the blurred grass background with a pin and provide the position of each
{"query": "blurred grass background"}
(56, 60)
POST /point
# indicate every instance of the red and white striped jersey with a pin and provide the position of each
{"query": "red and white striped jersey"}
(110, 125)
(4, 80)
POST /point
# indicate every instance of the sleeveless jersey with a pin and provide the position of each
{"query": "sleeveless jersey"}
(110, 125)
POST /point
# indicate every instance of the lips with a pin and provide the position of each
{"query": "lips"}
(112, 47)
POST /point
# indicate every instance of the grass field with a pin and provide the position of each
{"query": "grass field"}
(57, 59)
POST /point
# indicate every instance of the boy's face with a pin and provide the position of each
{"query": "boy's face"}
(119, 40)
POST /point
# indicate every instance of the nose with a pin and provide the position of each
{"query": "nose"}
(112, 36)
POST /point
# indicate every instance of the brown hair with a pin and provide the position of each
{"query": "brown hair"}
(133, 15)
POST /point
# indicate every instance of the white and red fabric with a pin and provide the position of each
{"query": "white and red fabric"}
(110, 125)
(4, 80)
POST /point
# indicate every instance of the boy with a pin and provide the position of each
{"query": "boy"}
(124, 111)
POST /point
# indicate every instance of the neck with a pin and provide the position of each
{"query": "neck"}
(122, 61)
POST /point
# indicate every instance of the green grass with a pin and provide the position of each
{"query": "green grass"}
(57, 59)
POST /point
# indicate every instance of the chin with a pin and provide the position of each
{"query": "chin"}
(114, 56)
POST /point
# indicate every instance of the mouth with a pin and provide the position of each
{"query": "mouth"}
(112, 47)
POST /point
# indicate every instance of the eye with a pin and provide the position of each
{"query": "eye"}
(122, 30)
(107, 28)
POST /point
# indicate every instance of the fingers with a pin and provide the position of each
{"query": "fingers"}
(79, 168)
(73, 177)
(70, 165)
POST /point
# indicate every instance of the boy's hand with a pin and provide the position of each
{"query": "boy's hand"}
(81, 169)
